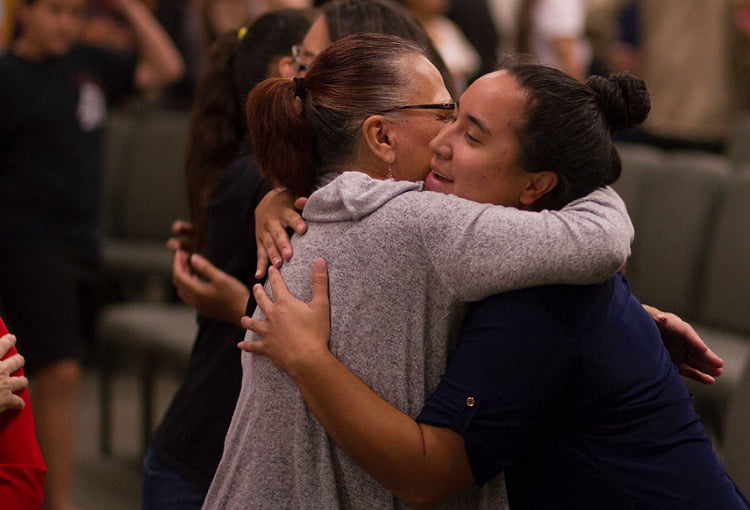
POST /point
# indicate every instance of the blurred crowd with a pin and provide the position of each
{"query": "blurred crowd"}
(693, 54)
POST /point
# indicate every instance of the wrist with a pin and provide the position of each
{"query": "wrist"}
(309, 364)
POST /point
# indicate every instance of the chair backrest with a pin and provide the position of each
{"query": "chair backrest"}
(637, 160)
(738, 142)
(119, 136)
(727, 284)
(152, 192)
(677, 203)
(737, 438)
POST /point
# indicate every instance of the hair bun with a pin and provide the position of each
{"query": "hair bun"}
(623, 99)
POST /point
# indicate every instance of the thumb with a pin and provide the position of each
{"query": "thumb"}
(320, 284)
(300, 203)
(202, 267)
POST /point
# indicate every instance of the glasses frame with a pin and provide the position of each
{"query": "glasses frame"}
(428, 106)
(298, 53)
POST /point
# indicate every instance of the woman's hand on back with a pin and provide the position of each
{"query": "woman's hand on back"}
(276, 212)
(295, 334)
(687, 349)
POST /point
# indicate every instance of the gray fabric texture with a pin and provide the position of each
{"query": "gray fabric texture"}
(402, 265)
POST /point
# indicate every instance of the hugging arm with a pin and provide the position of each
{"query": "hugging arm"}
(419, 463)
(276, 212)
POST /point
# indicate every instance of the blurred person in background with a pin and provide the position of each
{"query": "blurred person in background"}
(224, 187)
(54, 96)
(690, 55)
(694, 56)
(458, 53)
(553, 31)
(474, 19)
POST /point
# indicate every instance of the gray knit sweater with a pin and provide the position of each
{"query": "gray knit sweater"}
(402, 265)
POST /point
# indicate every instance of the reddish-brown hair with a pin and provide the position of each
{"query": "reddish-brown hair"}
(296, 140)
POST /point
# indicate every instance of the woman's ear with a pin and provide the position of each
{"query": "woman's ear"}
(378, 138)
(285, 68)
(538, 185)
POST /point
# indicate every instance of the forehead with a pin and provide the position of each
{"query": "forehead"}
(496, 99)
(428, 83)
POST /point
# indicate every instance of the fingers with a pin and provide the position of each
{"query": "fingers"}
(180, 269)
(278, 285)
(294, 219)
(299, 204)
(173, 244)
(182, 227)
(261, 297)
(257, 326)
(203, 268)
(12, 402)
(319, 284)
(253, 346)
(261, 262)
(12, 364)
(6, 342)
(696, 375)
(267, 240)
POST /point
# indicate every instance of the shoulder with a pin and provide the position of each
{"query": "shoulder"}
(563, 308)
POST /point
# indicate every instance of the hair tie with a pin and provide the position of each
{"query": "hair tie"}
(300, 90)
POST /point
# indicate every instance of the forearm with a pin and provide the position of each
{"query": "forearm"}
(160, 63)
(419, 464)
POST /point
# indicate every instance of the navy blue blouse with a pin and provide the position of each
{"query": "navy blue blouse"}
(570, 391)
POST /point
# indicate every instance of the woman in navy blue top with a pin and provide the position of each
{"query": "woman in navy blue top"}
(568, 390)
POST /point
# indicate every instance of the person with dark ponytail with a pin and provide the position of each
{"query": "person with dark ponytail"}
(224, 187)
(567, 390)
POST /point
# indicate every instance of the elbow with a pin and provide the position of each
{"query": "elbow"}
(172, 72)
(151, 77)
(422, 499)
(176, 71)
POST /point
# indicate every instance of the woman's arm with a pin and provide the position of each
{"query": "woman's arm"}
(479, 250)
(420, 464)
(159, 61)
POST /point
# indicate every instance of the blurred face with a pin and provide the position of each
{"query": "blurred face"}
(49, 27)
(414, 128)
(476, 156)
(315, 41)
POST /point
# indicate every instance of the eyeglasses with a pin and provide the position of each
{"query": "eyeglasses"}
(430, 106)
(302, 58)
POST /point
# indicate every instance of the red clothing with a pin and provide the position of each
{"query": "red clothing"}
(22, 467)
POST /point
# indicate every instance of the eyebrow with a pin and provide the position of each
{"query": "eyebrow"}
(478, 123)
